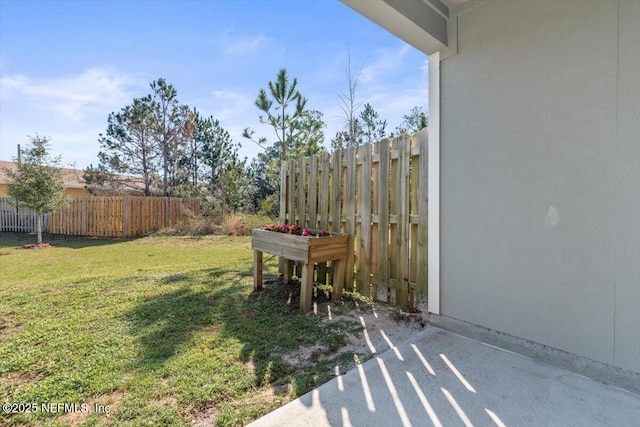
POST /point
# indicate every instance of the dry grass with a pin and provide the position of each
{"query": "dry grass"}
(229, 225)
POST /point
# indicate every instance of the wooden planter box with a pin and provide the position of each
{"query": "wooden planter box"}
(306, 249)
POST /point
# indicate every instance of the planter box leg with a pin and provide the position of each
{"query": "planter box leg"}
(338, 279)
(306, 288)
(322, 273)
(288, 271)
(257, 270)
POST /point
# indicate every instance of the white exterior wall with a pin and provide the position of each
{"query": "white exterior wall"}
(540, 175)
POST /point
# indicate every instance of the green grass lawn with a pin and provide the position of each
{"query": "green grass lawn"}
(162, 330)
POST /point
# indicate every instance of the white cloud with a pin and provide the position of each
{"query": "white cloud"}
(393, 81)
(242, 45)
(77, 144)
(71, 109)
(235, 109)
(386, 60)
(231, 103)
(425, 66)
(391, 103)
(70, 96)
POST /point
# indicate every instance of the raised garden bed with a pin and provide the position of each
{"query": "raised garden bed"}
(306, 249)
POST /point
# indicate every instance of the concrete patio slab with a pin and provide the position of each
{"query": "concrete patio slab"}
(443, 379)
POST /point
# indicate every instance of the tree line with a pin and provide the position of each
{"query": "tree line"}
(159, 146)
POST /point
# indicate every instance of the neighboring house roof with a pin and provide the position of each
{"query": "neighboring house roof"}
(72, 177)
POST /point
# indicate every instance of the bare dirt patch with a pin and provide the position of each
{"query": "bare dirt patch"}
(383, 327)
(37, 246)
(206, 417)
(9, 326)
(303, 355)
(104, 405)
(17, 379)
(165, 400)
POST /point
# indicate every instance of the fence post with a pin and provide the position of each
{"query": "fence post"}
(302, 202)
(350, 214)
(283, 192)
(383, 271)
(85, 216)
(283, 205)
(291, 192)
(323, 208)
(336, 190)
(336, 194)
(313, 193)
(167, 211)
(126, 217)
(402, 290)
(365, 223)
(423, 268)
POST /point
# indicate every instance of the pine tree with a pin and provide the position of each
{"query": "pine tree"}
(173, 126)
(283, 108)
(373, 129)
(412, 122)
(127, 148)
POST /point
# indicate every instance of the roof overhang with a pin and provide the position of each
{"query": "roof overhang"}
(421, 23)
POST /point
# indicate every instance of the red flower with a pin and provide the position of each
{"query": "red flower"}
(294, 229)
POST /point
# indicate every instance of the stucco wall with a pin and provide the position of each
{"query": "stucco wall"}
(76, 192)
(540, 175)
(73, 192)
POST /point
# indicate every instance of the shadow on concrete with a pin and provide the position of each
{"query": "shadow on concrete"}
(443, 379)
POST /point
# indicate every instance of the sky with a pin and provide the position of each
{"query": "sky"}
(65, 65)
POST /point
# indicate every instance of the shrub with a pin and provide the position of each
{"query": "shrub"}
(231, 225)
(236, 225)
(191, 227)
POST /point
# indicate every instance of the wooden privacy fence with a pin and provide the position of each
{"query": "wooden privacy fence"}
(118, 216)
(376, 194)
(121, 216)
(18, 220)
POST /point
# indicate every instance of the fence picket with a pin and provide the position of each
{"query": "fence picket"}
(384, 270)
(402, 287)
(357, 234)
(313, 192)
(350, 213)
(302, 192)
(283, 193)
(421, 252)
(375, 218)
(413, 222)
(291, 192)
(394, 195)
(365, 227)
(336, 191)
(323, 206)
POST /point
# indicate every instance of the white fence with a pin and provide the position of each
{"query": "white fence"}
(19, 220)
